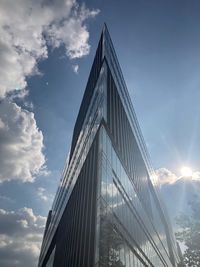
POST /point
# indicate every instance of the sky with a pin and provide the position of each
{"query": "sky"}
(46, 52)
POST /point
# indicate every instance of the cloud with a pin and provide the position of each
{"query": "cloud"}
(165, 176)
(196, 176)
(76, 41)
(20, 237)
(27, 27)
(75, 68)
(44, 195)
(21, 144)
(178, 195)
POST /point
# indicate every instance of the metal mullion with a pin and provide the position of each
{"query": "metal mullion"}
(75, 227)
(120, 125)
(92, 179)
(79, 223)
(67, 236)
(94, 202)
(129, 147)
(114, 114)
(116, 117)
(123, 136)
(70, 250)
(86, 208)
(82, 216)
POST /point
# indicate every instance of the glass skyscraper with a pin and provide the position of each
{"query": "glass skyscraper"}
(107, 211)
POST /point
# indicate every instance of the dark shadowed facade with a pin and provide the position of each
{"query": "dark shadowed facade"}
(106, 211)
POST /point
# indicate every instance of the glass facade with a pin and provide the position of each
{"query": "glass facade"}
(106, 211)
(129, 232)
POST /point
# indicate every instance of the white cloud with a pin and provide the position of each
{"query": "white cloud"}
(21, 144)
(75, 68)
(28, 26)
(18, 95)
(21, 235)
(44, 195)
(165, 176)
(76, 41)
(196, 176)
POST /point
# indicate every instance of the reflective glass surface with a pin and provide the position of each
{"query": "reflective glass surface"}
(51, 258)
(96, 111)
(128, 236)
(106, 209)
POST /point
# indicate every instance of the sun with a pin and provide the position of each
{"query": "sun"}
(186, 171)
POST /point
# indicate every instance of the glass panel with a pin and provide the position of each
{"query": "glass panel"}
(124, 210)
(51, 258)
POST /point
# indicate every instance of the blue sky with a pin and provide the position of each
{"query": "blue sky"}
(46, 50)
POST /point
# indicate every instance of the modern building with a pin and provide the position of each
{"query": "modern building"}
(107, 211)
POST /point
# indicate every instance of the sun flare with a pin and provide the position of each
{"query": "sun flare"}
(186, 171)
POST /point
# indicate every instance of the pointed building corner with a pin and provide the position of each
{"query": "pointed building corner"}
(106, 211)
(105, 33)
(105, 27)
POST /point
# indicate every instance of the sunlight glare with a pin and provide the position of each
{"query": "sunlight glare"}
(186, 172)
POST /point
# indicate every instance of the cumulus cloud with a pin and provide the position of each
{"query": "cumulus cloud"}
(165, 176)
(76, 41)
(20, 237)
(44, 195)
(27, 27)
(21, 144)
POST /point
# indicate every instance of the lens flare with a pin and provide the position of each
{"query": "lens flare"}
(186, 171)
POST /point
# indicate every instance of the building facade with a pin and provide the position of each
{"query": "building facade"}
(107, 212)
